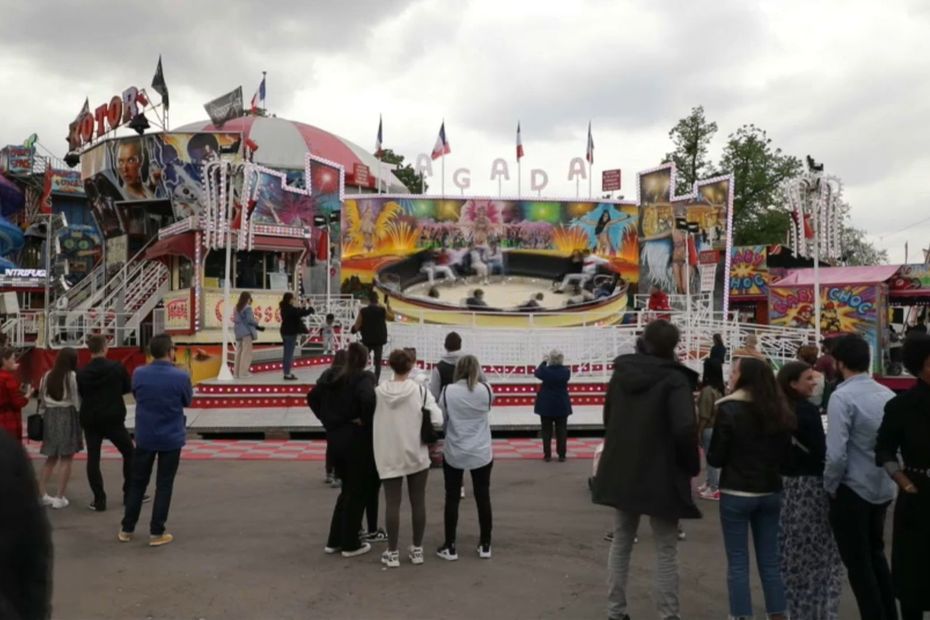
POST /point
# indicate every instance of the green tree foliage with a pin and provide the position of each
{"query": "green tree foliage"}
(857, 249)
(404, 172)
(758, 169)
(691, 137)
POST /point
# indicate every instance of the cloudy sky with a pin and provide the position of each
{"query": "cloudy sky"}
(846, 80)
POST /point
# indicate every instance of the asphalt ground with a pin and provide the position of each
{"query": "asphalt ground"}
(249, 539)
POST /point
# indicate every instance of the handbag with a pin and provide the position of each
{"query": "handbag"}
(428, 434)
(35, 427)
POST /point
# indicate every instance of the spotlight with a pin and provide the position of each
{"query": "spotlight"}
(72, 159)
(139, 123)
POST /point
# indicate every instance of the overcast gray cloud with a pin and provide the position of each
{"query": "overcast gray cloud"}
(847, 81)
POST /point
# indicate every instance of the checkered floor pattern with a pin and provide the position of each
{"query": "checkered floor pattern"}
(315, 450)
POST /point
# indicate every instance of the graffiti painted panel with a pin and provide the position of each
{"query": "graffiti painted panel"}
(911, 279)
(844, 309)
(749, 274)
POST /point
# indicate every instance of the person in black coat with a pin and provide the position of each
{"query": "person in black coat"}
(650, 455)
(102, 383)
(719, 350)
(553, 405)
(906, 429)
(372, 323)
(25, 539)
(292, 325)
(344, 401)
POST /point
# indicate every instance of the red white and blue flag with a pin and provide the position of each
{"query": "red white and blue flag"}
(258, 96)
(519, 143)
(378, 148)
(589, 153)
(442, 145)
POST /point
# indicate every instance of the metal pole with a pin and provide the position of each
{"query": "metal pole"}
(48, 279)
(329, 262)
(225, 372)
(519, 178)
(590, 178)
(443, 167)
(817, 334)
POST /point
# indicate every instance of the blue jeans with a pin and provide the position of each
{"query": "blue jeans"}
(737, 514)
(712, 473)
(290, 343)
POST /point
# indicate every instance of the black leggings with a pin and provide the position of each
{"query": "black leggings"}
(481, 485)
(416, 489)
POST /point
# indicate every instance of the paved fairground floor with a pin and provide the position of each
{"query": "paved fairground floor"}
(249, 538)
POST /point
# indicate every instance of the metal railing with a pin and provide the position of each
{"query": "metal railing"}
(71, 328)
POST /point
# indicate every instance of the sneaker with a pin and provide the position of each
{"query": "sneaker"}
(484, 552)
(377, 536)
(331, 550)
(547, 458)
(390, 559)
(158, 541)
(48, 500)
(124, 536)
(60, 502)
(682, 535)
(609, 537)
(362, 550)
(290, 378)
(447, 552)
(561, 459)
(97, 506)
(329, 479)
(415, 554)
(710, 495)
(335, 484)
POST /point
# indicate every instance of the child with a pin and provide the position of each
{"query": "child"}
(12, 398)
(328, 333)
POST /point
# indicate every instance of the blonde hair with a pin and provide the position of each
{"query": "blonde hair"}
(468, 368)
(752, 341)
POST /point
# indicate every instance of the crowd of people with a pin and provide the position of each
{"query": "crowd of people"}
(814, 501)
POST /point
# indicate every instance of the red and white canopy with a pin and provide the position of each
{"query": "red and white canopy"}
(283, 143)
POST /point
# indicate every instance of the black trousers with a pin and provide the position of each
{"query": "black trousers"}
(858, 527)
(376, 350)
(355, 466)
(142, 463)
(561, 435)
(481, 487)
(120, 438)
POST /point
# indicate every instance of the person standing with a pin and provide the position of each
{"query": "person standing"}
(443, 371)
(102, 384)
(808, 354)
(246, 330)
(466, 404)
(400, 452)
(372, 323)
(712, 390)
(718, 351)
(161, 391)
(59, 402)
(25, 538)
(810, 562)
(553, 404)
(905, 430)
(12, 397)
(344, 400)
(751, 439)
(860, 491)
(292, 326)
(650, 455)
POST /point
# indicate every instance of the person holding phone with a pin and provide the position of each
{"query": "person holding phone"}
(13, 395)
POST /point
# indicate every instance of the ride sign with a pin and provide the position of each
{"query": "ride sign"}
(106, 117)
(610, 180)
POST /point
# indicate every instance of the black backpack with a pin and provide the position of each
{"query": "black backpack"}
(446, 373)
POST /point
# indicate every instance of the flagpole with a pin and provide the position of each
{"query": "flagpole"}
(519, 178)
(590, 178)
(443, 166)
(264, 101)
(379, 175)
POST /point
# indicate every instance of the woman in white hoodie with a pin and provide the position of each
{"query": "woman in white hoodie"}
(400, 453)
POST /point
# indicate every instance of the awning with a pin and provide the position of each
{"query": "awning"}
(279, 244)
(835, 276)
(175, 245)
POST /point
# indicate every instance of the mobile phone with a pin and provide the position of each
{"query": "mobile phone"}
(25, 387)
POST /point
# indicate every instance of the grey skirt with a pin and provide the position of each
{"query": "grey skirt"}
(61, 432)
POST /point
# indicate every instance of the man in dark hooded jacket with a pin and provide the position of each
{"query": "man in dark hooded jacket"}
(650, 455)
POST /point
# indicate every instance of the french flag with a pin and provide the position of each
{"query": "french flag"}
(519, 143)
(378, 148)
(442, 145)
(258, 96)
(589, 153)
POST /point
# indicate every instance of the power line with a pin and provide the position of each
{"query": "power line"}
(906, 228)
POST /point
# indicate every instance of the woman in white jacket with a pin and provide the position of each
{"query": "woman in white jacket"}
(400, 453)
(466, 404)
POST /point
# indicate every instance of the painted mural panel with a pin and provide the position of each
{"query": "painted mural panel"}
(749, 272)
(911, 280)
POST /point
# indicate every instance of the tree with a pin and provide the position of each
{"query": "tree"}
(691, 137)
(758, 170)
(857, 250)
(404, 172)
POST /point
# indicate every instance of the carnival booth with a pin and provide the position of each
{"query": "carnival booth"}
(752, 269)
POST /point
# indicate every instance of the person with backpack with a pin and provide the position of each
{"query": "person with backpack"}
(372, 324)
(712, 390)
(59, 402)
(344, 401)
(466, 404)
(443, 372)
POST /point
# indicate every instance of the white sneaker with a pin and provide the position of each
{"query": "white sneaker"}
(391, 559)
(415, 554)
(447, 552)
(484, 552)
(362, 550)
(60, 502)
(48, 500)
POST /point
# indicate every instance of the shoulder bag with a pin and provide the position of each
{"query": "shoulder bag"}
(428, 434)
(35, 424)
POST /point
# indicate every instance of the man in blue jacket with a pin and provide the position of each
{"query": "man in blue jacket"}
(161, 391)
